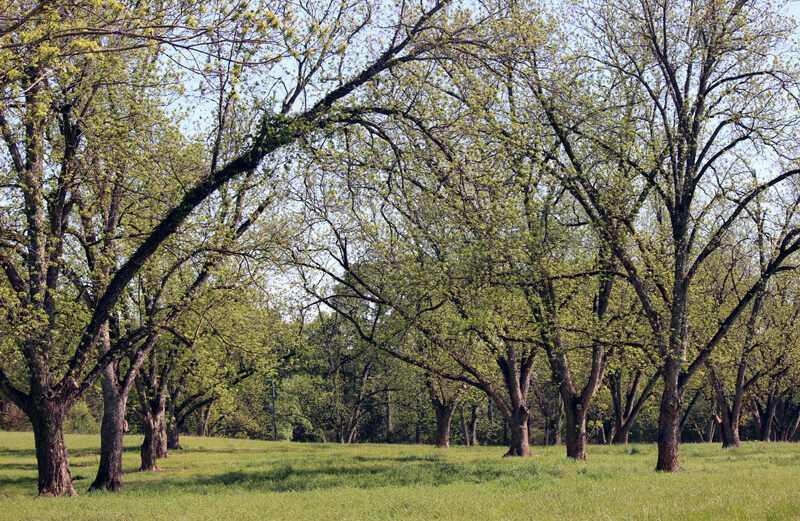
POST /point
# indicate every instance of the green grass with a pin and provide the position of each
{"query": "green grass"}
(236, 479)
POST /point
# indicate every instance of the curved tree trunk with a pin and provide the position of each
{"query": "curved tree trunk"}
(55, 478)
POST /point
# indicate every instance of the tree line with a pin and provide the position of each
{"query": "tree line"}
(341, 220)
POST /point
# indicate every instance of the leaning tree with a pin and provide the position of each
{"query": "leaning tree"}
(309, 66)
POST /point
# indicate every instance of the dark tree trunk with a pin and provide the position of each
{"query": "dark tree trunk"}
(519, 444)
(473, 426)
(55, 478)
(112, 430)
(154, 445)
(418, 432)
(730, 430)
(769, 417)
(388, 416)
(622, 434)
(444, 415)
(575, 418)
(174, 438)
(669, 420)
(148, 451)
(174, 427)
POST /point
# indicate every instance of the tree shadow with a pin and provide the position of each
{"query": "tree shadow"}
(383, 472)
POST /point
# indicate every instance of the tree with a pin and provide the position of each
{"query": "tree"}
(688, 106)
(42, 82)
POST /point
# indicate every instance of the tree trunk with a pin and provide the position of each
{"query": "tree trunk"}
(519, 445)
(388, 416)
(112, 430)
(203, 414)
(174, 438)
(464, 427)
(576, 429)
(712, 428)
(669, 420)
(769, 417)
(730, 429)
(444, 414)
(621, 434)
(148, 450)
(154, 445)
(174, 429)
(55, 478)
(473, 426)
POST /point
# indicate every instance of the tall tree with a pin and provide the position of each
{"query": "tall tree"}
(690, 104)
(327, 52)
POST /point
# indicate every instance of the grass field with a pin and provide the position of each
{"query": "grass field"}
(236, 479)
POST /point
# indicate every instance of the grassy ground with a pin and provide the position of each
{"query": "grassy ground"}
(235, 479)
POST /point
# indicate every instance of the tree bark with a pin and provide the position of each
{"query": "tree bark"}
(669, 419)
(621, 435)
(55, 478)
(112, 430)
(174, 438)
(444, 415)
(575, 418)
(730, 430)
(174, 427)
(154, 445)
(519, 444)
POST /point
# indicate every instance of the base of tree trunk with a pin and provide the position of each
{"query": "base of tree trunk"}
(514, 452)
(111, 485)
(55, 478)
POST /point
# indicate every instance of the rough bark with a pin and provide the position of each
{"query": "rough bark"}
(112, 430)
(669, 419)
(575, 417)
(55, 478)
(154, 445)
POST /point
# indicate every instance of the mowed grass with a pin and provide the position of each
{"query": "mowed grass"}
(216, 479)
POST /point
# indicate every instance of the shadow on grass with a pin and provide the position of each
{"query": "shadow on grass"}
(19, 466)
(18, 481)
(404, 471)
(18, 453)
